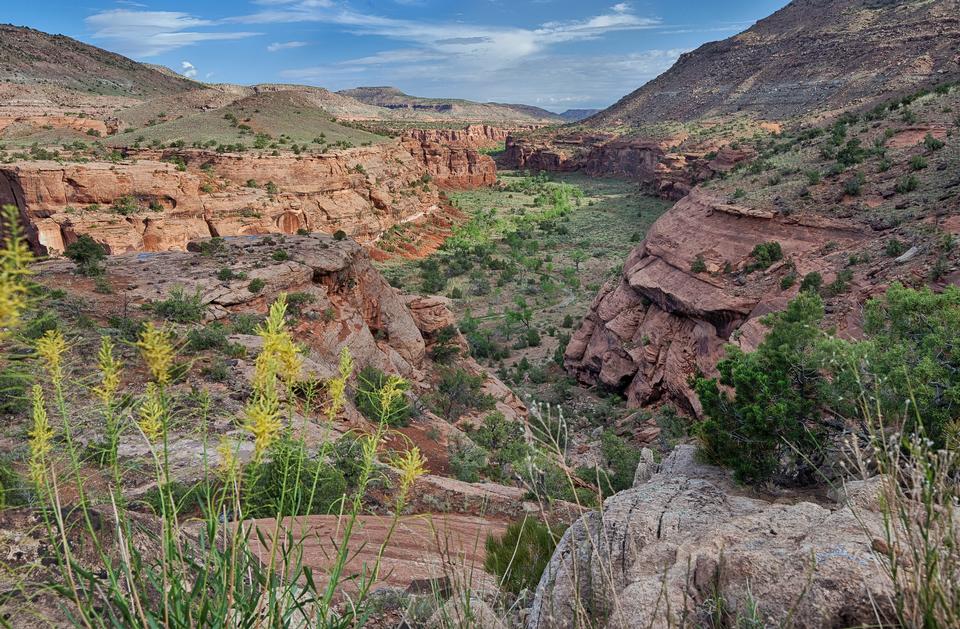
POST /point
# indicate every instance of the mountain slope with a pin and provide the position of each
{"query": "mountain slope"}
(451, 108)
(31, 57)
(811, 55)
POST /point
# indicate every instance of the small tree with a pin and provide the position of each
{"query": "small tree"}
(87, 253)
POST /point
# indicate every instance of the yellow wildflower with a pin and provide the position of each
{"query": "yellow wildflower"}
(228, 463)
(15, 257)
(40, 437)
(110, 369)
(412, 465)
(263, 422)
(280, 356)
(337, 387)
(157, 351)
(391, 390)
(151, 416)
(51, 347)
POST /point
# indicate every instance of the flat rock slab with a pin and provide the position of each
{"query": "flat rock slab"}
(422, 548)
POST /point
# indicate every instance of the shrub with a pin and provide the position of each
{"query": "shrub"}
(14, 490)
(932, 143)
(180, 307)
(504, 442)
(813, 177)
(699, 265)
(87, 253)
(256, 285)
(567, 321)
(371, 382)
(894, 248)
(765, 254)
(918, 162)
(458, 392)
(769, 427)
(15, 378)
(811, 282)
(788, 280)
(444, 347)
(905, 184)
(621, 459)
(520, 556)
(280, 255)
(466, 460)
(854, 185)
(339, 235)
(213, 336)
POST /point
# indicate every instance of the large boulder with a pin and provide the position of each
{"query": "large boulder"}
(687, 540)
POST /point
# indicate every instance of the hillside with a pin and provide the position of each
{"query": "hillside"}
(576, 115)
(31, 57)
(449, 108)
(274, 114)
(811, 55)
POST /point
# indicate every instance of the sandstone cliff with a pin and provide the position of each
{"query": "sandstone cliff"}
(146, 203)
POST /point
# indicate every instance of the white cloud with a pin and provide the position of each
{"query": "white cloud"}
(276, 46)
(187, 69)
(150, 33)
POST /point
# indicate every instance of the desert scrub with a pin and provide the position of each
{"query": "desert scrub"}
(181, 307)
(213, 578)
(370, 381)
(520, 556)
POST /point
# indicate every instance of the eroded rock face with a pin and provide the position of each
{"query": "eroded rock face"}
(664, 549)
(474, 135)
(667, 167)
(659, 323)
(147, 204)
(453, 166)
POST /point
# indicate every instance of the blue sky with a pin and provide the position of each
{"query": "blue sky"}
(557, 54)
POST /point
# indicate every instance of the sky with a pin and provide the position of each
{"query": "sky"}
(555, 54)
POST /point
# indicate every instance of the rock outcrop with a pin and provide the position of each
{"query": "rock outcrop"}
(473, 135)
(668, 167)
(688, 539)
(660, 322)
(145, 203)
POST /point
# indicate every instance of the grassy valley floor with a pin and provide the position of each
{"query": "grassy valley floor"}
(522, 272)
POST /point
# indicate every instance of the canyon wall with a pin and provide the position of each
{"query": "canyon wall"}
(147, 203)
(474, 135)
(659, 323)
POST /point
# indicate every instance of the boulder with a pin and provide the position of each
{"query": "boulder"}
(687, 539)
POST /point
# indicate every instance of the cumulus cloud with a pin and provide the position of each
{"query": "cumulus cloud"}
(150, 33)
(277, 46)
(187, 69)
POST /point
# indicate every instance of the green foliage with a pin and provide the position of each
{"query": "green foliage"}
(504, 443)
(213, 336)
(699, 265)
(466, 460)
(769, 427)
(765, 254)
(918, 162)
(458, 392)
(14, 489)
(292, 483)
(520, 556)
(256, 285)
(445, 348)
(87, 253)
(15, 378)
(894, 248)
(370, 382)
(907, 183)
(811, 282)
(621, 459)
(932, 143)
(913, 354)
(180, 307)
(339, 235)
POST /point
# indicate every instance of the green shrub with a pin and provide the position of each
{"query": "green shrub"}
(15, 378)
(466, 460)
(256, 285)
(14, 489)
(765, 254)
(87, 253)
(788, 280)
(445, 347)
(854, 185)
(520, 556)
(458, 392)
(296, 302)
(932, 143)
(339, 235)
(769, 427)
(504, 442)
(567, 321)
(699, 265)
(180, 307)
(811, 282)
(291, 472)
(621, 459)
(280, 255)
(905, 184)
(370, 381)
(894, 248)
(918, 162)
(213, 336)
